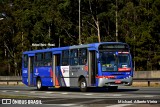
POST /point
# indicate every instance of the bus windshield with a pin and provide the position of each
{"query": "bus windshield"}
(108, 61)
(112, 62)
(123, 61)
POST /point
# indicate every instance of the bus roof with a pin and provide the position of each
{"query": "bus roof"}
(92, 45)
(42, 50)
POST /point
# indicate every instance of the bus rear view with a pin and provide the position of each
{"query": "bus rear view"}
(115, 65)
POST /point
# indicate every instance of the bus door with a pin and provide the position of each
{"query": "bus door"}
(92, 67)
(56, 70)
(30, 70)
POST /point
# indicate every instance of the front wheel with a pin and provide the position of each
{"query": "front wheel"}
(83, 85)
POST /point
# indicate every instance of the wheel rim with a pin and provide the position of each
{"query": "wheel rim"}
(83, 85)
(39, 84)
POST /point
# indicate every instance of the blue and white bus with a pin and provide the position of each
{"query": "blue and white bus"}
(105, 64)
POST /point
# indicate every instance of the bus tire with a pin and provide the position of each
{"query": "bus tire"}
(112, 88)
(83, 85)
(39, 85)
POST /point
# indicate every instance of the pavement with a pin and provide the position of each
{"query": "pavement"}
(125, 96)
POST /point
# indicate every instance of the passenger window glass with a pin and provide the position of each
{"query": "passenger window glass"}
(25, 61)
(65, 58)
(74, 57)
(82, 56)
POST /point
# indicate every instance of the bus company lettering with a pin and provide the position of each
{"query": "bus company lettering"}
(75, 69)
(65, 69)
(65, 73)
(36, 72)
(24, 71)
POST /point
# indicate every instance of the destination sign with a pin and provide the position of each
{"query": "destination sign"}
(113, 46)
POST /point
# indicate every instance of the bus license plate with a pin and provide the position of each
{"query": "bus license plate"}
(117, 81)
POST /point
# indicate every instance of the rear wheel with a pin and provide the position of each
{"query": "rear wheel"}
(39, 85)
(83, 85)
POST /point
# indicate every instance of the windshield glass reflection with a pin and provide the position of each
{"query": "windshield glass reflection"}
(111, 61)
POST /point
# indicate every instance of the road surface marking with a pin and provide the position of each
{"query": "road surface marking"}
(64, 93)
(148, 96)
(49, 92)
(16, 91)
(4, 91)
(33, 92)
(88, 94)
(117, 95)
(44, 97)
(53, 100)
(67, 105)
(120, 105)
(91, 101)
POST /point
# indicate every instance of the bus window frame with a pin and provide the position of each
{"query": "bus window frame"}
(47, 62)
(39, 63)
(65, 58)
(73, 58)
(25, 60)
(82, 57)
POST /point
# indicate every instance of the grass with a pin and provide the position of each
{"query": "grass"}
(145, 84)
(12, 83)
(135, 84)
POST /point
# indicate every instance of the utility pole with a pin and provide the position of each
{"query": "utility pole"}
(79, 22)
(49, 32)
(134, 54)
(116, 22)
(22, 41)
(59, 42)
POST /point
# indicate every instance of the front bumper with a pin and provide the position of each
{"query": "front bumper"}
(112, 82)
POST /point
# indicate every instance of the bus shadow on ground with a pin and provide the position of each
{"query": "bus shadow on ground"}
(96, 90)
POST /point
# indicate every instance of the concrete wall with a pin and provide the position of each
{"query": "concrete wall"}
(137, 74)
(10, 78)
(147, 74)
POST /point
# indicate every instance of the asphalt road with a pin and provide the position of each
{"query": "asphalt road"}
(96, 97)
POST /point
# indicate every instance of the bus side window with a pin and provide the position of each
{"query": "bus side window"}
(74, 57)
(25, 61)
(83, 56)
(39, 59)
(65, 58)
(47, 59)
